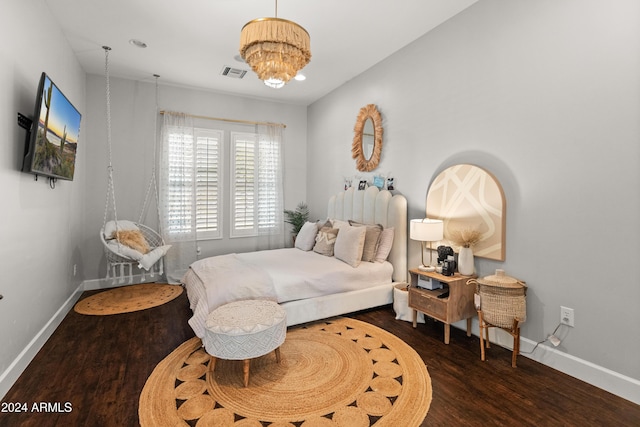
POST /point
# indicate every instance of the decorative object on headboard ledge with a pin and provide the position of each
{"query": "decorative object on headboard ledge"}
(390, 183)
(467, 196)
(378, 181)
(347, 182)
(367, 139)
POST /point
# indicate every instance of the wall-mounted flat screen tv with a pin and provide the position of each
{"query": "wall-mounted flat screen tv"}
(52, 141)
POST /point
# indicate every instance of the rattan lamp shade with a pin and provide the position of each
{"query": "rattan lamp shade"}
(276, 49)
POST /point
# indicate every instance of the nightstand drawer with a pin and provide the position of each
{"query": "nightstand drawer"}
(429, 305)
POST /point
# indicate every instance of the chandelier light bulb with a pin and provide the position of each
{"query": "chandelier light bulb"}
(274, 83)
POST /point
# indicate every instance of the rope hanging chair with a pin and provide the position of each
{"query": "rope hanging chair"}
(130, 243)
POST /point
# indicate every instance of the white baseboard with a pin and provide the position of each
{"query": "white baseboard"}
(603, 378)
(17, 367)
(97, 284)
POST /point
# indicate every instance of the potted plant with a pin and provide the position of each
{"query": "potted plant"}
(297, 217)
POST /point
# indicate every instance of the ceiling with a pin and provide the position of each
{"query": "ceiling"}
(189, 42)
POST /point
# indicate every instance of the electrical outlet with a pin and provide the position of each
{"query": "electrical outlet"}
(75, 269)
(566, 316)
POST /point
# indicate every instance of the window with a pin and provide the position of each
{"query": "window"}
(255, 163)
(194, 188)
(193, 191)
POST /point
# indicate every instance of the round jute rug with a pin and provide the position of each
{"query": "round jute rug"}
(339, 372)
(127, 299)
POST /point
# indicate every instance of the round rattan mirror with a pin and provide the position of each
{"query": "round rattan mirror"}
(366, 149)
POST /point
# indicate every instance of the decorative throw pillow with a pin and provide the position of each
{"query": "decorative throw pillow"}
(338, 223)
(384, 245)
(325, 241)
(306, 238)
(349, 245)
(326, 223)
(133, 239)
(370, 240)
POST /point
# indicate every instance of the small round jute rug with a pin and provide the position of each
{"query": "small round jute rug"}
(127, 299)
(339, 372)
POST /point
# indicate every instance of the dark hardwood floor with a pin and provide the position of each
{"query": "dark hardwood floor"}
(93, 368)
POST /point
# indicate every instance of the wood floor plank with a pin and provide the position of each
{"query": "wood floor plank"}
(99, 364)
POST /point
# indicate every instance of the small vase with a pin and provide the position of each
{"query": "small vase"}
(465, 262)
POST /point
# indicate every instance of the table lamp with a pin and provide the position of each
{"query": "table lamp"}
(426, 230)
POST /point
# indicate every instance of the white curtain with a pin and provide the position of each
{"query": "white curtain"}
(270, 187)
(178, 230)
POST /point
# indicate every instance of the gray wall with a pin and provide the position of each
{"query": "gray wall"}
(41, 228)
(545, 95)
(133, 107)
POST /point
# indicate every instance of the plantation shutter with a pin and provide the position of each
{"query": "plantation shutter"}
(243, 192)
(208, 183)
(193, 192)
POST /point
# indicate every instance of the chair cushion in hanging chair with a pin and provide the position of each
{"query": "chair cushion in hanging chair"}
(145, 261)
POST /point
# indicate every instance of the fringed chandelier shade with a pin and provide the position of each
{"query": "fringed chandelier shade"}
(276, 49)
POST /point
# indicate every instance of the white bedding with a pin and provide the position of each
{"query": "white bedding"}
(291, 273)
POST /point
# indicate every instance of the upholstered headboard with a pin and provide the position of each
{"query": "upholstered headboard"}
(374, 206)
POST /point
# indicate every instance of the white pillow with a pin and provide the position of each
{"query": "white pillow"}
(371, 239)
(349, 245)
(384, 245)
(306, 238)
(148, 260)
(145, 261)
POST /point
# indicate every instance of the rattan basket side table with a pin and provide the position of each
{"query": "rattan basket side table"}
(501, 303)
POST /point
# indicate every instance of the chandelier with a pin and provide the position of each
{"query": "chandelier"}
(276, 49)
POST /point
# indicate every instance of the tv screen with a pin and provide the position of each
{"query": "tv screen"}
(52, 142)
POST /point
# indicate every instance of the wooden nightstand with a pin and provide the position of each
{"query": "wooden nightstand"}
(457, 306)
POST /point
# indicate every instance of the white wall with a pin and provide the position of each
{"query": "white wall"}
(545, 95)
(133, 107)
(41, 228)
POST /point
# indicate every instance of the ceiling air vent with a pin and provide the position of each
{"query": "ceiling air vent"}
(234, 73)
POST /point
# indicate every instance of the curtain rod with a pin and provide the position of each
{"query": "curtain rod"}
(246, 122)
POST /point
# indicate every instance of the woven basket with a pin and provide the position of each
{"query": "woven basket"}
(502, 299)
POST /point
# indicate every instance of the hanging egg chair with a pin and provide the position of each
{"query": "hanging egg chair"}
(129, 244)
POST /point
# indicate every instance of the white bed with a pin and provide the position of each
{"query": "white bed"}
(308, 285)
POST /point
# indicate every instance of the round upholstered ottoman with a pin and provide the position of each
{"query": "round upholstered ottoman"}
(243, 330)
